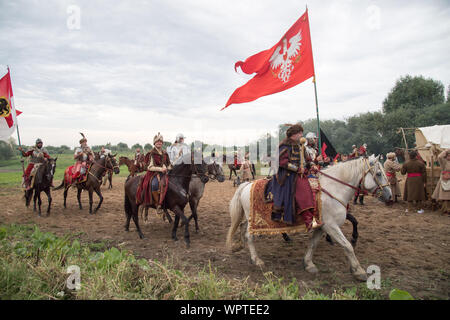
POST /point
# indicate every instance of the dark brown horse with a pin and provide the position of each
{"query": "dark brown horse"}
(231, 166)
(176, 197)
(93, 181)
(132, 168)
(42, 183)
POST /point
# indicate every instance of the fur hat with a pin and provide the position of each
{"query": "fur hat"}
(293, 129)
(390, 155)
(158, 137)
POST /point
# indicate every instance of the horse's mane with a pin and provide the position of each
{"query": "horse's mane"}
(345, 170)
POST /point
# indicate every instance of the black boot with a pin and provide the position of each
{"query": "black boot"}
(361, 200)
(276, 216)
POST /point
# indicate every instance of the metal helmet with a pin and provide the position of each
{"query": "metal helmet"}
(310, 135)
(38, 141)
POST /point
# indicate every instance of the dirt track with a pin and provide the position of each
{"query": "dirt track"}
(412, 251)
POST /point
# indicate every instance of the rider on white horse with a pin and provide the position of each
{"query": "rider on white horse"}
(294, 167)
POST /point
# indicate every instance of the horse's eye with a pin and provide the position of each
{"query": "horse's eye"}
(379, 174)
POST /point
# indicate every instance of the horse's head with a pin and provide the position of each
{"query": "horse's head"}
(215, 170)
(375, 180)
(50, 167)
(192, 163)
(111, 163)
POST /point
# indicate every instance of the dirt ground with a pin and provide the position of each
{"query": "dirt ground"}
(413, 250)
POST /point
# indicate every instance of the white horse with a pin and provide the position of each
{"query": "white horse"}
(340, 182)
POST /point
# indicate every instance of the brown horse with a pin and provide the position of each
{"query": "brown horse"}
(93, 181)
(176, 197)
(132, 168)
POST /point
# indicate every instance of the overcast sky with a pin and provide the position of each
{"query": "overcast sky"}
(135, 68)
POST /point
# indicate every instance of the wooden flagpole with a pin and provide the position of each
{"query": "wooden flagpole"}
(17, 126)
(315, 92)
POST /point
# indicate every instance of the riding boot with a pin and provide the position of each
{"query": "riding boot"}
(155, 195)
(307, 216)
(276, 214)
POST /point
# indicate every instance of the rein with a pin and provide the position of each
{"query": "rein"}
(358, 189)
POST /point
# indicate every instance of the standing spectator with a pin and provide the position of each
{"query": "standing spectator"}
(415, 182)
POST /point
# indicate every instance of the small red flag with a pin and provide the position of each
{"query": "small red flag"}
(281, 67)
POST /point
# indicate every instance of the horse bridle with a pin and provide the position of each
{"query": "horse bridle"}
(108, 159)
(363, 190)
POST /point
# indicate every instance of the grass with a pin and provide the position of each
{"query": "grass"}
(11, 170)
(33, 265)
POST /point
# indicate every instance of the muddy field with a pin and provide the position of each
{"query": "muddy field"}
(413, 250)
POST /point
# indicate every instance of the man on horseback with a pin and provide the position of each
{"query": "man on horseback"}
(139, 160)
(38, 156)
(84, 157)
(292, 194)
(178, 149)
(104, 152)
(155, 182)
(311, 148)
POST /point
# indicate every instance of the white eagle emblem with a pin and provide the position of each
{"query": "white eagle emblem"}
(283, 56)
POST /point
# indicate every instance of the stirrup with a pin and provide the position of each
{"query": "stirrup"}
(316, 224)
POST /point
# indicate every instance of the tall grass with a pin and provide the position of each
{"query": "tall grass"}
(33, 265)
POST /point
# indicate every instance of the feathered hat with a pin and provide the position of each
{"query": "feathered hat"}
(158, 137)
(83, 139)
(390, 155)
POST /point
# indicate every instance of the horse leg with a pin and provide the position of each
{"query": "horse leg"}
(91, 192)
(99, 193)
(79, 198)
(307, 260)
(34, 200)
(286, 237)
(169, 218)
(49, 196)
(336, 234)
(193, 203)
(65, 197)
(135, 216)
(251, 246)
(110, 180)
(179, 213)
(175, 226)
(354, 222)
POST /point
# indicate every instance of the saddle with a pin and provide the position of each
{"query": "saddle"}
(261, 205)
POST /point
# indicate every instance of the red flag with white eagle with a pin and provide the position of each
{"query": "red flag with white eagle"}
(7, 110)
(281, 67)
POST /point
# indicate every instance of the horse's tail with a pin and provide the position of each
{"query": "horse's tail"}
(127, 203)
(236, 214)
(60, 186)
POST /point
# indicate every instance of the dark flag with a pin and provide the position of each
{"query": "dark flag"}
(327, 148)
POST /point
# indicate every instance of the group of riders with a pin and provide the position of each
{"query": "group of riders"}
(298, 158)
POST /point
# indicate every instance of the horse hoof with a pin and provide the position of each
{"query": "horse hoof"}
(237, 247)
(312, 269)
(360, 276)
(188, 245)
(141, 235)
(259, 262)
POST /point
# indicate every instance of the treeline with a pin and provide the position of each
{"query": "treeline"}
(413, 102)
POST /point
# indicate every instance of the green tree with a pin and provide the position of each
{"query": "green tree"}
(121, 146)
(148, 147)
(416, 92)
(6, 151)
(135, 146)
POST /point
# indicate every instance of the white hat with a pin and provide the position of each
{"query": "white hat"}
(310, 135)
(180, 136)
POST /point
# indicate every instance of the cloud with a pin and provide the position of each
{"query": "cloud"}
(135, 69)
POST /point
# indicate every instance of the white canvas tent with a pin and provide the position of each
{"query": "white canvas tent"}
(437, 135)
